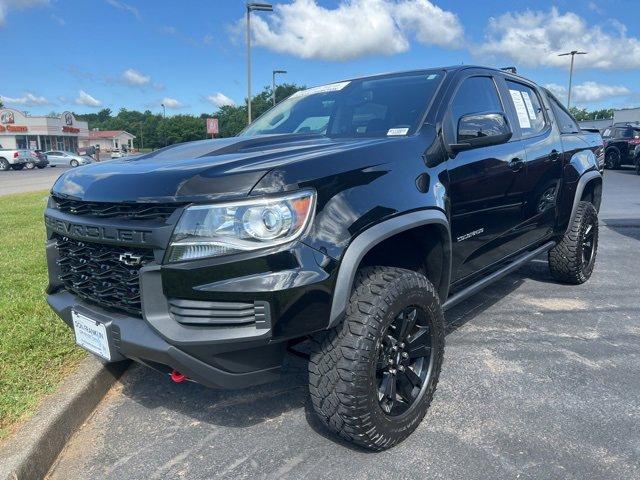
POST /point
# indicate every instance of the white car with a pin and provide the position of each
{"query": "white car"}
(57, 157)
(16, 159)
(117, 154)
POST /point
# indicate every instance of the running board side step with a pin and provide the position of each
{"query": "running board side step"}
(495, 276)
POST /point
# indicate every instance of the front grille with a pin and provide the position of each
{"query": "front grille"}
(129, 211)
(95, 273)
(221, 314)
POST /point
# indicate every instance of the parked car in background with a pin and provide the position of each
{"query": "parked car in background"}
(57, 157)
(38, 159)
(117, 154)
(12, 158)
(620, 141)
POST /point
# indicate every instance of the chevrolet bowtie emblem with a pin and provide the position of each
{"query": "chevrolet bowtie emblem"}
(130, 259)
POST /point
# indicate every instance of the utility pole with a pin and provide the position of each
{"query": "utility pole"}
(573, 53)
(261, 7)
(273, 84)
(164, 123)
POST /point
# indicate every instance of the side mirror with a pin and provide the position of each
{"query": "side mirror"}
(481, 130)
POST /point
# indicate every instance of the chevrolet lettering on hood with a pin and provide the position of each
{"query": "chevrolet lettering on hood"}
(93, 232)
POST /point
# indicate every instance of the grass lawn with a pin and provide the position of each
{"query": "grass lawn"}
(36, 348)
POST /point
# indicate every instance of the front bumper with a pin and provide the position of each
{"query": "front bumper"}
(291, 288)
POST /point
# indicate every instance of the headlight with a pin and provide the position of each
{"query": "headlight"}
(245, 225)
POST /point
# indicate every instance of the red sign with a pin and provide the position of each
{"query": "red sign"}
(212, 126)
(70, 129)
(16, 128)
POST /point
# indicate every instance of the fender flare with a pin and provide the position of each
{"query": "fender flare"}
(371, 237)
(582, 184)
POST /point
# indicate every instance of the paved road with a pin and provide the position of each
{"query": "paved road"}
(19, 181)
(540, 381)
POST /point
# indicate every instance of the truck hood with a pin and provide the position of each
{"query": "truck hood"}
(197, 171)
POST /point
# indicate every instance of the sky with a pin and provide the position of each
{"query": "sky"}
(85, 55)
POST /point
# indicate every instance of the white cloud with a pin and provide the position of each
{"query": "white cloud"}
(125, 7)
(28, 99)
(7, 5)
(589, 91)
(58, 19)
(172, 103)
(355, 28)
(220, 100)
(85, 99)
(535, 38)
(133, 77)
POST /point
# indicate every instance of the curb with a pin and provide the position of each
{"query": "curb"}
(30, 452)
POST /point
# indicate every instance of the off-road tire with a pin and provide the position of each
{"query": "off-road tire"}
(612, 159)
(4, 165)
(342, 364)
(566, 260)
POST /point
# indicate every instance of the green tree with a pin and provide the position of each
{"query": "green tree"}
(151, 130)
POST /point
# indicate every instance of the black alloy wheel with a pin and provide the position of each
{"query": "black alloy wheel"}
(405, 361)
(612, 159)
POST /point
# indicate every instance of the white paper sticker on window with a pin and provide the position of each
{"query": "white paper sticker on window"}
(397, 131)
(527, 102)
(332, 87)
(521, 109)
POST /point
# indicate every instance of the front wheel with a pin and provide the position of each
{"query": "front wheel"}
(30, 165)
(372, 378)
(74, 163)
(573, 258)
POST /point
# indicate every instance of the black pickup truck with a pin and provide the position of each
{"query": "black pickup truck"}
(351, 216)
(620, 141)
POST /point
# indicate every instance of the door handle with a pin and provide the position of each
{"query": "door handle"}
(554, 155)
(516, 164)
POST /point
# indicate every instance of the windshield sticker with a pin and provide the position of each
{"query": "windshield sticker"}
(332, 87)
(397, 132)
(521, 109)
(527, 102)
(431, 76)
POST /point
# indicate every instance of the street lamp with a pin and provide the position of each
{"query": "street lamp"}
(573, 53)
(273, 84)
(164, 123)
(260, 7)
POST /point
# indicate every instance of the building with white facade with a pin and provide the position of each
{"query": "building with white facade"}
(19, 130)
(109, 140)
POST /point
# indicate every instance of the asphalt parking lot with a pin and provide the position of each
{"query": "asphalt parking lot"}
(18, 181)
(540, 381)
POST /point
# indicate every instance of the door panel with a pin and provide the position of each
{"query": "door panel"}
(487, 197)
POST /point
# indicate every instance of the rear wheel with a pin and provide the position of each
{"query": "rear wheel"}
(4, 165)
(573, 258)
(30, 165)
(372, 378)
(612, 159)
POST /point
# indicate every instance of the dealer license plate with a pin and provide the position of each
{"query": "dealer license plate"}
(91, 335)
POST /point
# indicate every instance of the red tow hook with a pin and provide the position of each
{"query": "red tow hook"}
(178, 377)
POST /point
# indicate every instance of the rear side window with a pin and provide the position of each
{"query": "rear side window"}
(475, 95)
(566, 123)
(528, 107)
(607, 133)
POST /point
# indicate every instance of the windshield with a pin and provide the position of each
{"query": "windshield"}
(374, 107)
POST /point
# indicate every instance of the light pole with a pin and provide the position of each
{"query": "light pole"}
(273, 84)
(573, 53)
(261, 7)
(164, 123)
